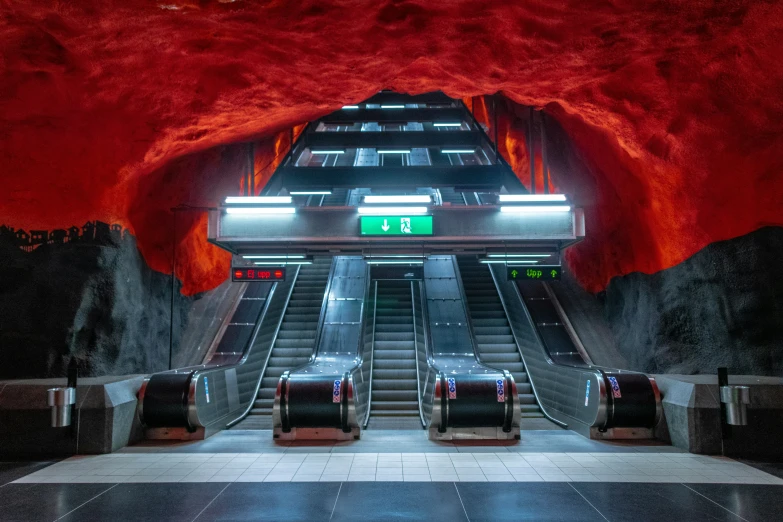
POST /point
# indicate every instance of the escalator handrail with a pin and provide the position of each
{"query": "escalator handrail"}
(322, 316)
(416, 356)
(254, 396)
(519, 349)
(372, 355)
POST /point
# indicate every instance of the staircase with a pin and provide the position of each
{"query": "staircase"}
(494, 340)
(395, 402)
(295, 339)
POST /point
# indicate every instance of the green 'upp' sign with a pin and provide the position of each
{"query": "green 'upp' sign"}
(535, 272)
(396, 225)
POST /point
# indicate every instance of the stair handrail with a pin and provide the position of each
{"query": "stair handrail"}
(416, 356)
(372, 356)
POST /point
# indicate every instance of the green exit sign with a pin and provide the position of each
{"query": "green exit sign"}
(535, 273)
(396, 225)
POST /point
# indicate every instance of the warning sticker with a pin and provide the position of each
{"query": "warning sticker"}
(336, 391)
(452, 387)
(615, 387)
(501, 390)
(587, 393)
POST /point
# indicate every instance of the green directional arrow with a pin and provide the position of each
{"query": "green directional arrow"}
(554, 273)
(514, 274)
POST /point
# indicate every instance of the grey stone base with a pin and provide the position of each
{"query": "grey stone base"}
(105, 418)
(691, 416)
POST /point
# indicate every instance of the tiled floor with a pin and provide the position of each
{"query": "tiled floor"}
(503, 466)
(383, 501)
(243, 475)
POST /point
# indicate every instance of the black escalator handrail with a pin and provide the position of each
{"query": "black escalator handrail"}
(269, 353)
(522, 355)
(372, 351)
(416, 356)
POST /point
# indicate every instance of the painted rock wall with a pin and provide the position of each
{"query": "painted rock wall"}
(674, 106)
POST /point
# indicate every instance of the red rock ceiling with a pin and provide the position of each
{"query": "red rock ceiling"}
(121, 110)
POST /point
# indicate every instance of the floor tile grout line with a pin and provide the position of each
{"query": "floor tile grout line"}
(85, 503)
(211, 501)
(585, 499)
(467, 517)
(719, 505)
(335, 500)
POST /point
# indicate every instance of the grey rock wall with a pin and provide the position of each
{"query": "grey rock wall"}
(96, 301)
(721, 307)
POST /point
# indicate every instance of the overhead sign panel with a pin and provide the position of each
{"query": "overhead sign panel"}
(258, 274)
(396, 225)
(535, 273)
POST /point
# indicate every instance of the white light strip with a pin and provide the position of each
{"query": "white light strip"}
(275, 263)
(534, 209)
(327, 152)
(398, 199)
(457, 151)
(346, 107)
(311, 193)
(531, 197)
(404, 256)
(392, 211)
(260, 210)
(253, 200)
(393, 151)
(447, 125)
(401, 262)
(291, 256)
(518, 255)
(392, 106)
(514, 261)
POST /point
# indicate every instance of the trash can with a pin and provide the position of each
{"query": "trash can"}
(736, 399)
(61, 401)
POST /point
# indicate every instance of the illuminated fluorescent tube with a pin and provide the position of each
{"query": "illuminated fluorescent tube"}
(530, 197)
(253, 200)
(518, 255)
(311, 193)
(346, 107)
(395, 256)
(398, 199)
(327, 152)
(302, 262)
(392, 106)
(514, 261)
(457, 151)
(392, 211)
(534, 209)
(447, 125)
(260, 210)
(400, 262)
(400, 151)
(274, 256)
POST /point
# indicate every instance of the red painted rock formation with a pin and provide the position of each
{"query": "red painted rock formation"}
(121, 110)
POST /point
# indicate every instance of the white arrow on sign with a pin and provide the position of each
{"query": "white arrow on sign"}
(385, 226)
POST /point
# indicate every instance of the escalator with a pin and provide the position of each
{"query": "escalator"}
(495, 341)
(394, 400)
(295, 340)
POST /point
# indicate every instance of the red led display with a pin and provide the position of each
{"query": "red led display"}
(257, 274)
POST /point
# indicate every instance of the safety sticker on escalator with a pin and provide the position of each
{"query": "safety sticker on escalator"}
(452, 387)
(615, 387)
(587, 393)
(501, 390)
(336, 391)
